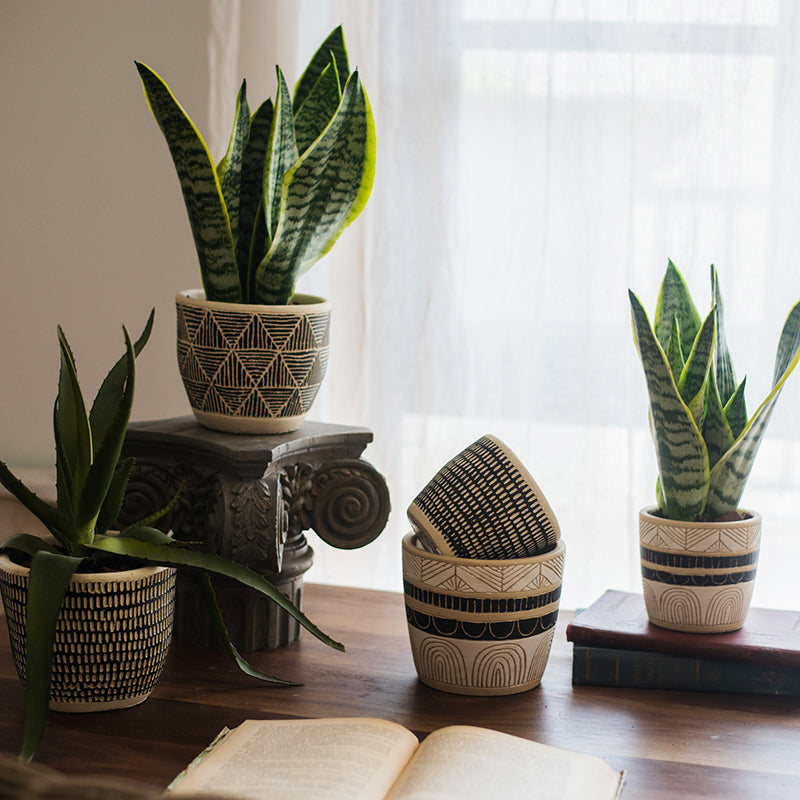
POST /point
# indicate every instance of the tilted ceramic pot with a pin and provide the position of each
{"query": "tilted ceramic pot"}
(481, 626)
(112, 636)
(252, 368)
(698, 576)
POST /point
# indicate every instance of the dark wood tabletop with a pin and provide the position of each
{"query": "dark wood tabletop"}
(672, 744)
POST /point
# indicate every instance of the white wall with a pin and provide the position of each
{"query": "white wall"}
(93, 231)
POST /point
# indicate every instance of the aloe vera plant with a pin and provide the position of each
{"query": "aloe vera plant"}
(296, 173)
(91, 483)
(705, 442)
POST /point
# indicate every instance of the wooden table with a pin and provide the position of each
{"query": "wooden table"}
(672, 744)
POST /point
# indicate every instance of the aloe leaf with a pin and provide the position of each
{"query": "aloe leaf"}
(736, 410)
(729, 476)
(281, 154)
(317, 110)
(28, 544)
(49, 579)
(332, 46)
(322, 194)
(680, 451)
(115, 496)
(103, 468)
(723, 363)
(252, 244)
(53, 519)
(675, 301)
(170, 555)
(202, 193)
(71, 424)
(717, 432)
(229, 169)
(692, 382)
(106, 402)
(203, 583)
(673, 350)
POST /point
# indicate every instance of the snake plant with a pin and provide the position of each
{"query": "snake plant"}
(90, 488)
(705, 442)
(296, 173)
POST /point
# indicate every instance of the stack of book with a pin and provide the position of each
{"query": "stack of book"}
(614, 644)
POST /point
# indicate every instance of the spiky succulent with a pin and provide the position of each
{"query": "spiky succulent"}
(91, 484)
(296, 173)
(705, 442)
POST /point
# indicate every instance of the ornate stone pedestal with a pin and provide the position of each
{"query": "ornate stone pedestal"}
(250, 498)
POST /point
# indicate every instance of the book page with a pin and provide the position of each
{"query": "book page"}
(352, 759)
(462, 762)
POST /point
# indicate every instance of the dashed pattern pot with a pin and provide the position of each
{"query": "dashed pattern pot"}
(481, 627)
(252, 368)
(112, 636)
(698, 576)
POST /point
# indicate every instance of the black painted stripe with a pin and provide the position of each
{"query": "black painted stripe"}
(679, 561)
(712, 579)
(480, 605)
(481, 631)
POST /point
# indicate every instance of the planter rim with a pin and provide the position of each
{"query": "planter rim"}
(304, 303)
(755, 517)
(410, 545)
(10, 566)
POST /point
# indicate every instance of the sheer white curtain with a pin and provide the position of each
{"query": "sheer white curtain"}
(537, 159)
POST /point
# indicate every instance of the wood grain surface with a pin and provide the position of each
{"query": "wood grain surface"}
(672, 744)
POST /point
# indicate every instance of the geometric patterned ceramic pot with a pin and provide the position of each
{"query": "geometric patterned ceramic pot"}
(112, 636)
(698, 576)
(481, 627)
(252, 368)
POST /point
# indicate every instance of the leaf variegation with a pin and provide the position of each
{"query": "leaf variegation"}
(692, 382)
(730, 474)
(680, 451)
(675, 302)
(723, 363)
(332, 49)
(323, 192)
(674, 350)
(202, 193)
(736, 410)
(170, 555)
(318, 108)
(717, 432)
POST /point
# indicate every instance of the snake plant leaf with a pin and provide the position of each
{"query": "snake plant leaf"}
(281, 154)
(729, 476)
(674, 351)
(736, 410)
(717, 432)
(229, 169)
(172, 556)
(680, 451)
(252, 243)
(675, 301)
(104, 465)
(206, 589)
(71, 428)
(692, 382)
(723, 363)
(202, 193)
(50, 575)
(332, 49)
(325, 190)
(318, 108)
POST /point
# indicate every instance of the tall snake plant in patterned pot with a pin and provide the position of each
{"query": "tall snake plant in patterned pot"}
(253, 353)
(698, 548)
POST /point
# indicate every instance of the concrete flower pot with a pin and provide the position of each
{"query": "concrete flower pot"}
(252, 368)
(481, 626)
(698, 576)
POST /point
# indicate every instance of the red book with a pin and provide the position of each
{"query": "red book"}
(619, 620)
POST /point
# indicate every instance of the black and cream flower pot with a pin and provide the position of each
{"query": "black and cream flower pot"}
(112, 636)
(252, 368)
(481, 626)
(698, 577)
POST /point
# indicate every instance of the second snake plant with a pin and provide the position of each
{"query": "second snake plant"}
(705, 442)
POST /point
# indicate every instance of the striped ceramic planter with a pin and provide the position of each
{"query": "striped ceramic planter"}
(698, 576)
(252, 368)
(112, 636)
(481, 627)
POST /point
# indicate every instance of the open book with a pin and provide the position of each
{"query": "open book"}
(373, 759)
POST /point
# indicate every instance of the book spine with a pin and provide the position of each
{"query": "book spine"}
(601, 666)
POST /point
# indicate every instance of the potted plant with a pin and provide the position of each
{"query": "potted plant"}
(89, 611)
(296, 173)
(699, 549)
